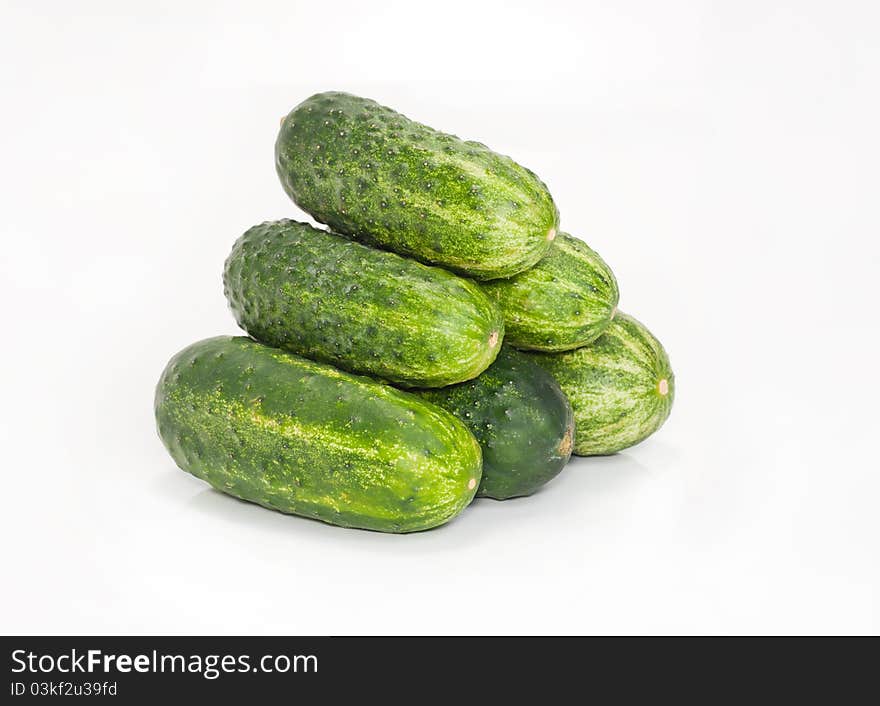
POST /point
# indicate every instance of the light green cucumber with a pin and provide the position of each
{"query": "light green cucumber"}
(565, 301)
(621, 387)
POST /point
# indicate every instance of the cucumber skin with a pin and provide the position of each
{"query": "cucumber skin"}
(305, 438)
(370, 172)
(522, 420)
(367, 311)
(564, 302)
(615, 387)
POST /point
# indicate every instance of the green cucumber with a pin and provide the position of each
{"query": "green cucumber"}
(621, 386)
(370, 172)
(522, 420)
(565, 301)
(367, 311)
(305, 438)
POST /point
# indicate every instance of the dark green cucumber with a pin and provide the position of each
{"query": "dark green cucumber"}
(370, 172)
(565, 301)
(308, 439)
(331, 299)
(522, 420)
(621, 386)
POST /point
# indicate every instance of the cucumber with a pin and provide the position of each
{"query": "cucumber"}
(621, 386)
(522, 420)
(305, 438)
(370, 172)
(337, 301)
(565, 301)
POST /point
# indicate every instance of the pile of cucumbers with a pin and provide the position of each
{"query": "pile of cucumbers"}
(441, 339)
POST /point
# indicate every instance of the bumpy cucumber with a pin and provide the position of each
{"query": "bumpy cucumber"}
(565, 301)
(522, 420)
(331, 299)
(368, 171)
(305, 438)
(621, 386)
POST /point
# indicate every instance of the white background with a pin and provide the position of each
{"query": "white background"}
(722, 157)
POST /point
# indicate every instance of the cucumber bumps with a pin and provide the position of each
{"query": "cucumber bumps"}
(367, 311)
(305, 438)
(370, 172)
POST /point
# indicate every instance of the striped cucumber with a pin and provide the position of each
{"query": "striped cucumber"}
(565, 301)
(621, 386)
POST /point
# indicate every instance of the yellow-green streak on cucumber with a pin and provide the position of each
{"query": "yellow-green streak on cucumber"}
(621, 387)
(565, 301)
(370, 172)
(305, 438)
